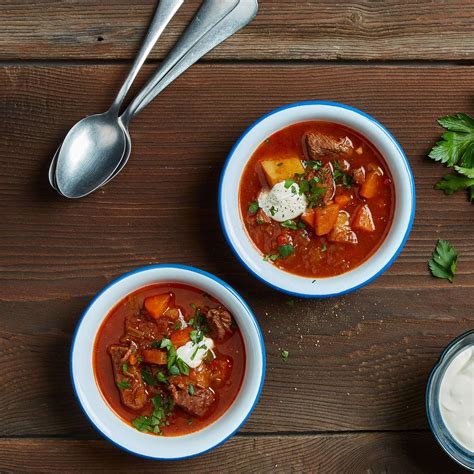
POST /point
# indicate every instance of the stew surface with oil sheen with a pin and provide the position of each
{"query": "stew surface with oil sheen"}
(169, 359)
(317, 199)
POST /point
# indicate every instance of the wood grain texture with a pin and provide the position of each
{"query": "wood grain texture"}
(53, 248)
(284, 29)
(357, 363)
(353, 453)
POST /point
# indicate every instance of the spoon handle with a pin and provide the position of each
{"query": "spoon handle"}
(165, 11)
(237, 18)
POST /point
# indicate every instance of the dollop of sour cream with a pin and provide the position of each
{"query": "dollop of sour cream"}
(193, 354)
(456, 398)
(282, 203)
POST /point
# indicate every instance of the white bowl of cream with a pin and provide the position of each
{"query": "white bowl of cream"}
(450, 400)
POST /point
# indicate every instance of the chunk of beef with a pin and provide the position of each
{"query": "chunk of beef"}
(129, 382)
(326, 175)
(197, 404)
(219, 321)
(320, 145)
(142, 330)
(358, 174)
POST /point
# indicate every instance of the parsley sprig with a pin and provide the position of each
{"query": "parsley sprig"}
(456, 150)
(444, 261)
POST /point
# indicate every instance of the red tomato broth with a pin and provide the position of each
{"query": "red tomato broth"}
(316, 257)
(232, 348)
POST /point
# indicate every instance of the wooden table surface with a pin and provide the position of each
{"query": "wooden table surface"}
(350, 398)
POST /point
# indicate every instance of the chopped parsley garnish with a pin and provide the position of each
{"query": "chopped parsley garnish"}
(444, 261)
(125, 368)
(156, 344)
(196, 336)
(286, 250)
(340, 177)
(289, 224)
(162, 378)
(174, 370)
(304, 186)
(314, 164)
(165, 343)
(191, 389)
(272, 211)
(259, 220)
(154, 422)
(182, 366)
(288, 183)
(316, 195)
(324, 248)
(148, 378)
(177, 326)
(284, 355)
(271, 257)
(456, 150)
(253, 207)
(122, 385)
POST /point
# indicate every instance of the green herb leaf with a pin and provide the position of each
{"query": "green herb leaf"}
(148, 378)
(457, 145)
(177, 326)
(125, 368)
(324, 248)
(165, 343)
(253, 207)
(288, 183)
(286, 250)
(122, 385)
(142, 423)
(271, 257)
(452, 183)
(174, 370)
(469, 172)
(272, 211)
(289, 224)
(196, 336)
(444, 261)
(284, 355)
(191, 389)
(304, 186)
(162, 378)
(171, 356)
(182, 366)
(156, 344)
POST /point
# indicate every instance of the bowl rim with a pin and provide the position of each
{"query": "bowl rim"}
(406, 166)
(234, 294)
(456, 452)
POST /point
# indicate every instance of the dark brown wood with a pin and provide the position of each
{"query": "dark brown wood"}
(284, 29)
(357, 363)
(339, 453)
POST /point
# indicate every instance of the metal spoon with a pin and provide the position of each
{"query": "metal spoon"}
(240, 15)
(83, 160)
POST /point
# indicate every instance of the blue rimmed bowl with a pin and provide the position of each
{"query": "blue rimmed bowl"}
(118, 431)
(433, 412)
(232, 221)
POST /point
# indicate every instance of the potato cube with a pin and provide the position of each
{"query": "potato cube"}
(279, 170)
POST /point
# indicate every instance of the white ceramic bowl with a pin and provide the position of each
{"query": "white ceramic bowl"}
(115, 429)
(232, 221)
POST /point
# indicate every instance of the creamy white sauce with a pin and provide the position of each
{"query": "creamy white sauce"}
(193, 354)
(456, 398)
(281, 203)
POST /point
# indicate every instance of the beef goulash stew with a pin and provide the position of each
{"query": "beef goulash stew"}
(316, 199)
(169, 359)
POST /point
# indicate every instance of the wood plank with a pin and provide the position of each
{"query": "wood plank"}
(367, 452)
(284, 29)
(359, 362)
(53, 248)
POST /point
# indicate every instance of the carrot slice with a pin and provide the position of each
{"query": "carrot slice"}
(157, 305)
(308, 218)
(343, 200)
(181, 337)
(154, 356)
(363, 219)
(371, 185)
(325, 218)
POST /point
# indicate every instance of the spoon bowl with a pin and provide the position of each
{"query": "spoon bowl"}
(89, 155)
